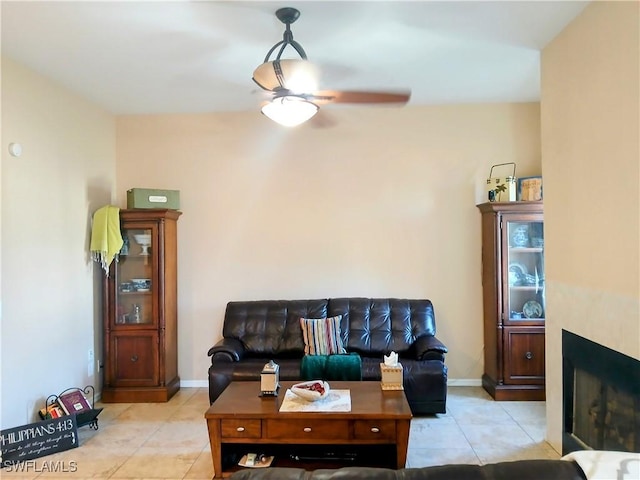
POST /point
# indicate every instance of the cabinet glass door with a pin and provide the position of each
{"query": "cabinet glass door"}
(525, 260)
(133, 282)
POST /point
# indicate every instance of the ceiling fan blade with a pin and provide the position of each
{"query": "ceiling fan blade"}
(338, 96)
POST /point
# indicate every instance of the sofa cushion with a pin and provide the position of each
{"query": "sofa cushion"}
(321, 336)
(249, 369)
(377, 326)
(271, 327)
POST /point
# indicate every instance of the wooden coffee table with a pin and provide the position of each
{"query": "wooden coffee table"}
(374, 433)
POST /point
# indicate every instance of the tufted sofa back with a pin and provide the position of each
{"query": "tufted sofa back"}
(370, 326)
(271, 327)
(376, 326)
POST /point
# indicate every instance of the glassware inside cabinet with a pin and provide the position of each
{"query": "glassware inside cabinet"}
(526, 298)
(134, 278)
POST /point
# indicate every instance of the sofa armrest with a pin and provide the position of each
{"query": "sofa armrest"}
(430, 348)
(227, 350)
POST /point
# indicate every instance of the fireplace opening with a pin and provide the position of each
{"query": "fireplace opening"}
(601, 397)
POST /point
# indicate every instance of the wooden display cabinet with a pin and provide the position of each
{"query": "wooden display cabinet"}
(140, 310)
(513, 283)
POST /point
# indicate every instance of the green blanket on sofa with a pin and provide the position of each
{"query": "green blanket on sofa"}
(331, 367)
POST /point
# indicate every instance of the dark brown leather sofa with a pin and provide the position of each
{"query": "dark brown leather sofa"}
(517, 470)
(255, 332)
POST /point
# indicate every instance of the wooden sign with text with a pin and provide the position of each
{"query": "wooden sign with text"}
(38, 439)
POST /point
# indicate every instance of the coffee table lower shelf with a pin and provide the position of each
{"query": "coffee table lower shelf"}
(311, 457)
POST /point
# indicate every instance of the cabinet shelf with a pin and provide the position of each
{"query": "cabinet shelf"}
(529, 288)
(525, 249)
(134, 326)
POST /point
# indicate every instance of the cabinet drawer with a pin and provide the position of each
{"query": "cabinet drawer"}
(240, 428)
(134, 357)
(375, 430)
(524, 355)
(311, 429)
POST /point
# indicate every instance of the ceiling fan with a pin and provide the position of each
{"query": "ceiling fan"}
(292, 83)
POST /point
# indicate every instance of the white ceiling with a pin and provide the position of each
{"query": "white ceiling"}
(185, 56)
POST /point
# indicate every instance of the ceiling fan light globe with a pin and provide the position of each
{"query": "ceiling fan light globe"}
(290, 110)
(298, 75)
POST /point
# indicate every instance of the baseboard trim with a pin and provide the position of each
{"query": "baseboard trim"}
(464, 382)
(194, 384)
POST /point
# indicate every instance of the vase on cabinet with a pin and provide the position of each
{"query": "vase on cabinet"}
(140, 323)
(513, 286)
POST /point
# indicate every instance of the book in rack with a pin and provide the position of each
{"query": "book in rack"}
(52, 410)
(74, 401)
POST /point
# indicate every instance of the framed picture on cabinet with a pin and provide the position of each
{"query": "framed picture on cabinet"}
(530, 189)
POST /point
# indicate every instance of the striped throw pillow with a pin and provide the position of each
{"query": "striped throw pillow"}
(322, 336)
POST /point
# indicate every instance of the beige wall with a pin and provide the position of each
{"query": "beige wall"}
(591, 165)
(50, 307)
(381, 204)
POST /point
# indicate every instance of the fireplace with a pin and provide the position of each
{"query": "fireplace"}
(601, 397)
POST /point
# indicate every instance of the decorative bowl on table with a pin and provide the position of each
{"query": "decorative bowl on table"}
(312, 390)
(141, 284)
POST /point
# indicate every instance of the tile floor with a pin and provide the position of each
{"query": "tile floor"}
(170, 441)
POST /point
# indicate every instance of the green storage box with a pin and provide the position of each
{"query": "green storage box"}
(153, 198)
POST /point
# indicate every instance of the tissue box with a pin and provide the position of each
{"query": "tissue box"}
(391, 377)
(153, 198)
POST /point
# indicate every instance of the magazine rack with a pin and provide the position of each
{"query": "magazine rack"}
(85, 417)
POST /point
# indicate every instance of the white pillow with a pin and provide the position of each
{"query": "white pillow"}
(607, 465)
